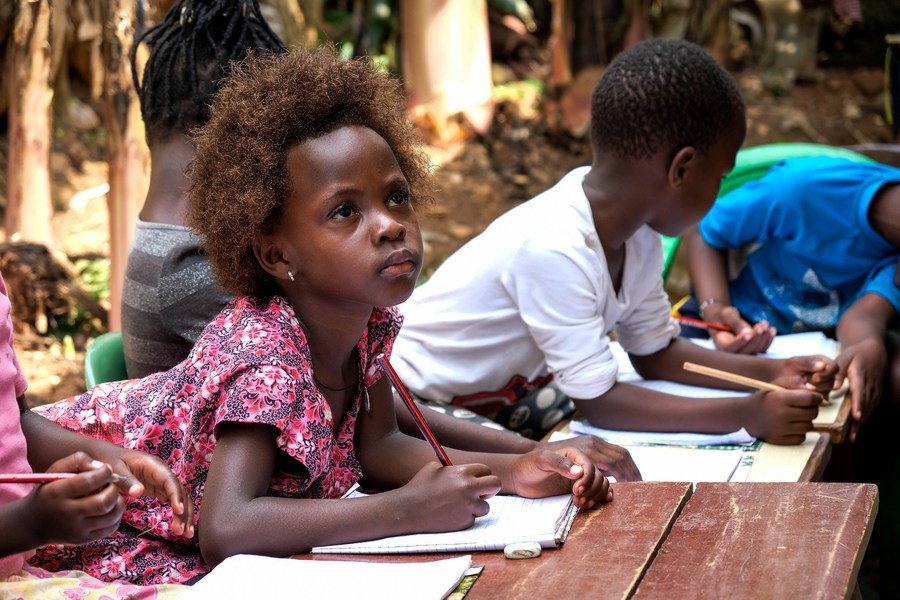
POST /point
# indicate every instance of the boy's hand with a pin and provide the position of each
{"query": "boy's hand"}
(746, 338)
(611, 460)
(78, 509)
(808, 372)
(148, 475)
(864, 365)
(543, 473)
(782, 417)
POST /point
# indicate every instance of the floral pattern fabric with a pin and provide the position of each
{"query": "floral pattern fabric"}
(251, 365)
(33, 582)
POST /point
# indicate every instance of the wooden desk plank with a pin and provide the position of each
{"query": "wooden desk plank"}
(834, 419)
(605, 555)
(767, 540)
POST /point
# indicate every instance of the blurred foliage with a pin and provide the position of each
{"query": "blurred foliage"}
(369, 29)
(93, 277)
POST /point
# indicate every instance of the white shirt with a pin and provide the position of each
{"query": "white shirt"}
(531, 296)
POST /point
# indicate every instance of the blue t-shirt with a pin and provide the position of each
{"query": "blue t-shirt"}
(805, 248)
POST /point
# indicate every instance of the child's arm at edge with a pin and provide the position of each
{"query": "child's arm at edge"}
(142, 473)
(708, 272)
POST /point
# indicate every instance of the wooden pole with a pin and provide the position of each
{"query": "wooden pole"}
(128, 156)
(29, 209)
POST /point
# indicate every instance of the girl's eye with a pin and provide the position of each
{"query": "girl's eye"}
(343, 211)
(399, 198)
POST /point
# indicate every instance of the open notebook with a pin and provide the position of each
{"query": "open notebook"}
(512, 519)
(250, 576)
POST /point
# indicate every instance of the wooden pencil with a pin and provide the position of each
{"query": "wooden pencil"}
(420, 421)
(732, 377)
(735, 378)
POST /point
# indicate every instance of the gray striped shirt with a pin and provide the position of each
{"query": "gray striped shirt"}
(169, 296)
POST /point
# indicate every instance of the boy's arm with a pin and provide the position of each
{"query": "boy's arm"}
(454, 432)
(708, 271)
(782, 417)
(862, 331)
(460, 433)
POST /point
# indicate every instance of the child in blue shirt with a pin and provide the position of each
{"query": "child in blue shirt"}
(811, 246)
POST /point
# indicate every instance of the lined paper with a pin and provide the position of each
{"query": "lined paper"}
(511, 519)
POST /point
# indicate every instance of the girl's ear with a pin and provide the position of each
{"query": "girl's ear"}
(682, 166)
(270, 257)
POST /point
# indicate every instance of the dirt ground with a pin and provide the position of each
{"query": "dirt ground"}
(481, 177)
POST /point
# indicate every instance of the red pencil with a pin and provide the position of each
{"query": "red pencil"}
(42, 477)
(414, 410)
(702, 324)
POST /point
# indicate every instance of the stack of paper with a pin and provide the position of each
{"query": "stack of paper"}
(512, 519)
(248, 576)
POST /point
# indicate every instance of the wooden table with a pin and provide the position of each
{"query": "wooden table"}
(724, 540)
(773, 540)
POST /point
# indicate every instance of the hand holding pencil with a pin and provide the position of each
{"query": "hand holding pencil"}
(80, 504)
(780, 416)
(730, 332)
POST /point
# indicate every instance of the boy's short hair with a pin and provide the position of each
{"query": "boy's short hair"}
(267, 107)
(663, 94)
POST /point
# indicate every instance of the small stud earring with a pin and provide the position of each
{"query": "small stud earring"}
(291, 275)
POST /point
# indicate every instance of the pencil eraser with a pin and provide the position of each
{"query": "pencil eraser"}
(522, 550)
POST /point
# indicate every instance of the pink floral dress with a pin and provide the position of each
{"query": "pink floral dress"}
(250, 365)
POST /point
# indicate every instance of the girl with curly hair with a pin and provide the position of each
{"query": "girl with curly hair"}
(305, 187)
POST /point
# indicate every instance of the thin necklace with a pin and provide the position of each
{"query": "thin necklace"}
(316, 379)
(333, 389)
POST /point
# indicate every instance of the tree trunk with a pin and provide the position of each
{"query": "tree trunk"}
(128, 156)
(29, 209)
(447, 63)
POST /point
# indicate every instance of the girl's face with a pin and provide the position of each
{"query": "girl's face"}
(349, 231)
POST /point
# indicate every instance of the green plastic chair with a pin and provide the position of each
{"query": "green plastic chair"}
(754, 162)
(104, 359)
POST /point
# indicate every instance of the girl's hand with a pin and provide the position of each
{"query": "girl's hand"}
(448, 498)
(746, 338)
(148, 475)
(543, 473)
(818, 373)
(610, 459)
(78, 509)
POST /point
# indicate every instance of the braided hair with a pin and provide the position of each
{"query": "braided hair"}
(190, 51)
